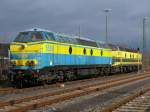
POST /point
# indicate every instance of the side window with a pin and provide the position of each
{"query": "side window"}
(60, 39)
(84, 51)
(63, 39)
(70, 50)
(74, 41)
(66, 40)
(50, 36)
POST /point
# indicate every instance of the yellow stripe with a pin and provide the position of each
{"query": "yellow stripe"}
(59, 49)
(121, 54)
(126, 63)
(54, 42)
(130, 63)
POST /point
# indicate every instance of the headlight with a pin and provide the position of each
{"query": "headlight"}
(30, 63)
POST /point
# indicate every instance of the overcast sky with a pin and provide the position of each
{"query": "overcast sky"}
(124, 24)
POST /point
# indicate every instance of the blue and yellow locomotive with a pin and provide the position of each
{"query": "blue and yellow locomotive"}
(39, 55)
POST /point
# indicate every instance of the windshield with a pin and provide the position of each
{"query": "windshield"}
(29, 37)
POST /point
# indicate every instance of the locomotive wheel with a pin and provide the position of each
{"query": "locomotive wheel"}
(19, 83)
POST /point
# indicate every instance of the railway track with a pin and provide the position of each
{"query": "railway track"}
(6, 89)
(33, 102)
(139, 101)
(10, 90)
(15, 90)
(139, 104)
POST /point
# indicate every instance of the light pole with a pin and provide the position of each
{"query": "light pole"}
(144, 41)
(106, 20)
(138, 60)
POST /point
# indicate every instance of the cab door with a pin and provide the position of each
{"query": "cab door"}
(51, 49)
(50, 54)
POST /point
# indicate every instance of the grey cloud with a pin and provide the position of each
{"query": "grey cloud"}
(125, 20)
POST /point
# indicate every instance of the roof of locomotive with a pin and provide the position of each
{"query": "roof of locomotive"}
(122, 48)
(128, 49)
(60, 34)
(73, 39)
(84, 41)
(113, 46)
(36, 29)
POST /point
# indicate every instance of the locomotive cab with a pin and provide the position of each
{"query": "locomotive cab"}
(27, 48)
(28, 53)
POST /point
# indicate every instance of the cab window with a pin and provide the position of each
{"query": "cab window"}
(23, 37)
(36, 36)
(29, 37)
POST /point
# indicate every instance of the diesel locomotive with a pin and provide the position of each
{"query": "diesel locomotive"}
(42, 56)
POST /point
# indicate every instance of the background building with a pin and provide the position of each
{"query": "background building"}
(4, 60)
(4, 48)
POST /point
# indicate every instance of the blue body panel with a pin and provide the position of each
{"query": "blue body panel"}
(50, 60)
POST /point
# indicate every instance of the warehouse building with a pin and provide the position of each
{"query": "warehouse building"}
(4, 48)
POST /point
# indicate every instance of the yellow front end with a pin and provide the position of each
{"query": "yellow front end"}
(24, 55)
